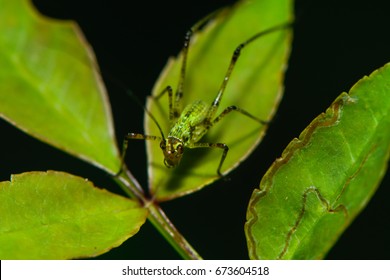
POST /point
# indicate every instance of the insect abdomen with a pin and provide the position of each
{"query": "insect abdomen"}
(189, 127)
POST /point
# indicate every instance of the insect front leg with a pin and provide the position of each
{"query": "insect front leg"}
(131, 136)
(214, 145)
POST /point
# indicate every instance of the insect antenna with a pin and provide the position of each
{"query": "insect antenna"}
(137, 101)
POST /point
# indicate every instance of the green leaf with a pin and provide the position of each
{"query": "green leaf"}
(325, 178)
(255, 85)
(55, 215)
(50, 87)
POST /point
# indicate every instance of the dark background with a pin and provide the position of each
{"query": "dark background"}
(335, 44)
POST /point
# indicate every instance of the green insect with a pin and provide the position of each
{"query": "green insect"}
(187, 127)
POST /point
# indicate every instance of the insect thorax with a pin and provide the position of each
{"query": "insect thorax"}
(191, 126)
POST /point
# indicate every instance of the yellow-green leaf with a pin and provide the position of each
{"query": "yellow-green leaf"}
(50, 86)
(325, 178)
(55, 215)
(256, 85)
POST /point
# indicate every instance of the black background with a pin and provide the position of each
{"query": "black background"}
(335, 44)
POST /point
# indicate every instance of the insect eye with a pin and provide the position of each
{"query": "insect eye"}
(179, 148)
(162, 145)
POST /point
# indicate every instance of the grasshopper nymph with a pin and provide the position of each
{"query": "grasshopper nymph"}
(191, 124)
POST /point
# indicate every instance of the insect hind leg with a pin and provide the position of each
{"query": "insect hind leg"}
(236, 55)
(176, 103)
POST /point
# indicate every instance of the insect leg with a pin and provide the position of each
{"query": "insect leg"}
(236, 55)
(222, 145)
(237, 109)
(214, 145)
(175, 105)
(180, 87)
(172, 114)
(187, 38)
(136, 136)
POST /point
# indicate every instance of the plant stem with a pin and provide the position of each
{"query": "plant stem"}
(171, 234)
(157, 216)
